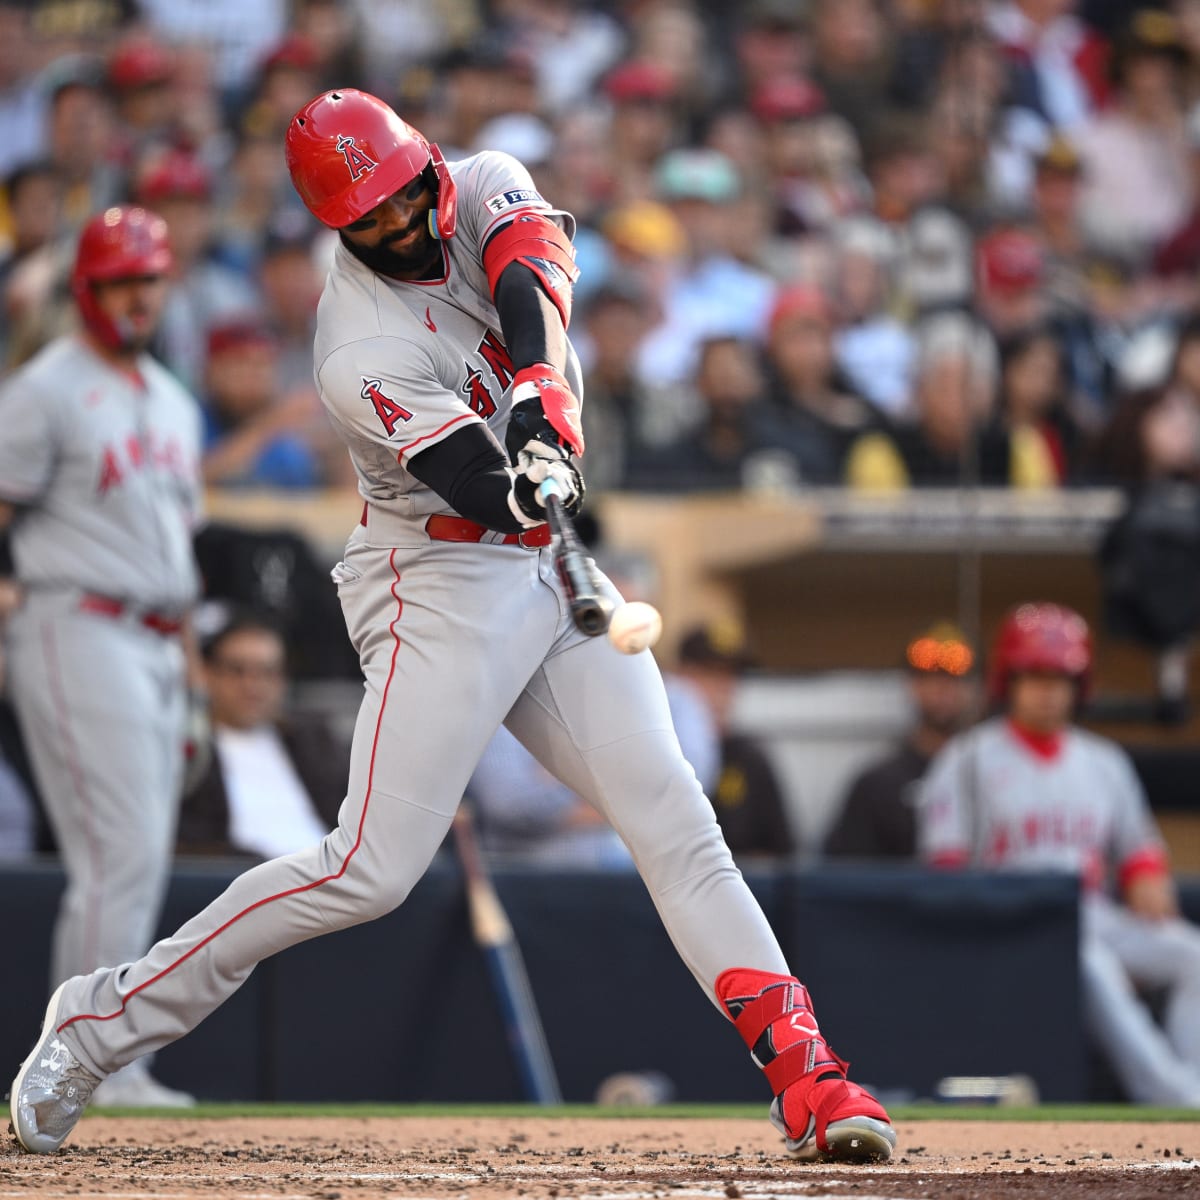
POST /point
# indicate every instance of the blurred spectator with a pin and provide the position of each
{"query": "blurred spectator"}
(276, 780)
(403, 33)
(237, 34)
(1179, 254)
(770, 41)
(1150, 555)
(1033, 406)
(333, 29)
(140, 69)
(291, 283)
(252, 193)
(1011, 293)
(873, 349)
(673, 34)
(935, 270)
(34, 203)
(1057, 179)
(849, 62)
(569, 44)
(177, 185)
(711, 294)
(619, 420)
(878, 815)
(955, 440)
(1137, 185)
(737, 441)
(79, 137)
(748, 797)
(807, 190)
(1028, 790)
(642, 127)
(1057, 60)
(819, 413)
(901, 169)
(255, 433)
(286, 79)
(21, 98)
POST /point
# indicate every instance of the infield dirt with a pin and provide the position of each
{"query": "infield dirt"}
(566, 1158)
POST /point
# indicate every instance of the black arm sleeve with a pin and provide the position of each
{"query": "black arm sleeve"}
(468, 470)
(533, 331)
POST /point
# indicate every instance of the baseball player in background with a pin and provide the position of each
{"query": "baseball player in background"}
(99, 481)
(1030, 790)
(442, 357)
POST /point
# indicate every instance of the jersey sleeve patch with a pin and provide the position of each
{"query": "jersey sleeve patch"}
(514, 198)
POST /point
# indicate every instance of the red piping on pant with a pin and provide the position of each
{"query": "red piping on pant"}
(308, 887)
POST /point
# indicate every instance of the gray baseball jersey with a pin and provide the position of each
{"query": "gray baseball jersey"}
(1079, 808)
(104, 469)
(454, 639)
(1082, 810)
(400, 366)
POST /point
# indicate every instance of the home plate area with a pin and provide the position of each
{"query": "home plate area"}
(586, 1158)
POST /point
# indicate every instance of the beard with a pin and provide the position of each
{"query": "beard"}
(421, 259)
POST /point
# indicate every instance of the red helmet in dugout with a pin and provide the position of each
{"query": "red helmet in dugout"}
(1045, 638)
(347, 152)
(124, 242)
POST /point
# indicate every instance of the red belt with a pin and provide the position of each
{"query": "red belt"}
(443, 528)
(108, 607)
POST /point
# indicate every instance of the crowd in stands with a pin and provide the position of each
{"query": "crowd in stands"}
(879, 243)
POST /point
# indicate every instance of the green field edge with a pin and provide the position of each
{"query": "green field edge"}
(899, 1113)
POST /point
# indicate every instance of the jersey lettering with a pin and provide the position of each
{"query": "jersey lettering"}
(358, 161)
(478, 397)
(111, 475)
(386, 409)
(495, 354)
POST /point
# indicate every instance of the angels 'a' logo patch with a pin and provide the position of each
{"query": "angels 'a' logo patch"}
(357, 160)
(389, 412)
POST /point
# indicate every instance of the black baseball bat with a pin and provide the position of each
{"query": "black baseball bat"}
(493, 933)
(590, 610)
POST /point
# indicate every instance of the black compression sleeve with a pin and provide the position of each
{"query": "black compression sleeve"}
(533, 331)
(468, 470)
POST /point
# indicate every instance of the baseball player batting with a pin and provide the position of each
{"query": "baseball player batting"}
(99, 478)
(1028, 789)
(442, 357)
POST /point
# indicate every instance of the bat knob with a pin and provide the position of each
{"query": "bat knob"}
(593, 615)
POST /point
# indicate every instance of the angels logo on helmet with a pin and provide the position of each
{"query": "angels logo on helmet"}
(358, 161)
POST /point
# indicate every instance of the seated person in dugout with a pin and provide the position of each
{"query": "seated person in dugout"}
(274, 780)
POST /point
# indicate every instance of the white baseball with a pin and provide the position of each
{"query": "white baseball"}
(634, 627)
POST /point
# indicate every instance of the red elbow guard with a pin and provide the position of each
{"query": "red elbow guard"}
(534, 241)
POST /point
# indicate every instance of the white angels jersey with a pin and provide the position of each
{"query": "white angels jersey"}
(401, 364)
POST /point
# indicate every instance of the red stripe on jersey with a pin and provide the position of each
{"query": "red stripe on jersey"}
(1150, 860)
(442, 429)
(307, 887)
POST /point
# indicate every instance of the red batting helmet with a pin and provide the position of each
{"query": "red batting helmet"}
(123, 242)
(1041, 637)
(347, 151)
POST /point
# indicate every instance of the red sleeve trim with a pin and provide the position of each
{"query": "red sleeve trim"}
(949, 860)
(427, 437)
(1151, 860)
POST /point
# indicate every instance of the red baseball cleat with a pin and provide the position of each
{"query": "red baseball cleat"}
(821, 1114)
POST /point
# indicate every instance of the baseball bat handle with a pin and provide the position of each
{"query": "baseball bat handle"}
(590, 610)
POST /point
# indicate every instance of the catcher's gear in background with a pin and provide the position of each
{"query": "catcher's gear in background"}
(348, 152)
(122, 242)
(1041, 637)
